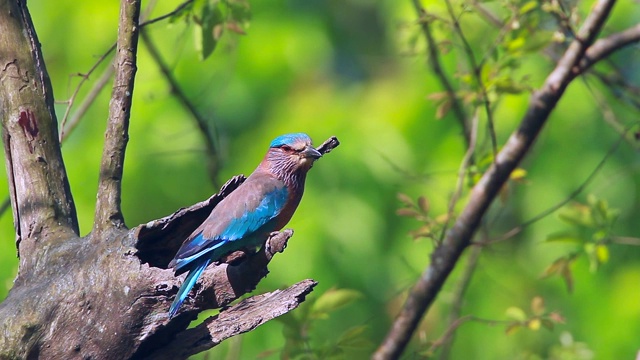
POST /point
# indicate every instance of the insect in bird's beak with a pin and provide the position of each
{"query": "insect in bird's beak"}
(310, 152)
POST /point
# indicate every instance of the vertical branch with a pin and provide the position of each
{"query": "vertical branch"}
(434, 60)
(458, 297)
(476, 72)
(209, 133)
(39, 189)
(459, 236)
(108, 212)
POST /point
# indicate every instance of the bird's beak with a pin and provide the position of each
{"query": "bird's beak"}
(310, 152)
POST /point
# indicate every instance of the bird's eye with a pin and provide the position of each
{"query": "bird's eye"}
(286, 148)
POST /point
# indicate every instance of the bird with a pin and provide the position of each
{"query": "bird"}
(263, 203)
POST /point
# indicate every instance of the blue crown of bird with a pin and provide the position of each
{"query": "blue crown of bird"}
(263, 203)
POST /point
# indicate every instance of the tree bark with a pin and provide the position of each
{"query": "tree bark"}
(106, 295)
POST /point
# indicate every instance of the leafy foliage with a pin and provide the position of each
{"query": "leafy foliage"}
(298, 327)
(212, 18)
(591, 231)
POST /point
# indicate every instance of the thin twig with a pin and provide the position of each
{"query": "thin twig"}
(167, 15)
(85, 77)
(67, 127)
(626, 240)
(458, 297)
(577, 191)
(454, 325)
(434, 60)
(487, 14)
(207, 128)
(108, 213)
(475, 69)
(604, 47)
(484, 192)
(464, 166)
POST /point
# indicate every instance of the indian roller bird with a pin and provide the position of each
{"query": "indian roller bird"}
(263, 203)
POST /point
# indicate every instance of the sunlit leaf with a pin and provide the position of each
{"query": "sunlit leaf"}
(423, 204)
(405, 199)
(528, 6)
(537, 41)
(577, 215)
(516, 313)
(564, 236)
(184, 13)
(555, 267)
(442, 218)
(561, 267)
(353, 339)
(408, 212)
(334, 299)
(209, 29)
(516, 44)
(537, 305)
(438, 96)
(534, 324)
(236, 28)
(602, 253)
(509, 86)
(423, 231)
(443, 108)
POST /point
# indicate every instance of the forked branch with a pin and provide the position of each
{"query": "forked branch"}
(108, 213)
(484, 192)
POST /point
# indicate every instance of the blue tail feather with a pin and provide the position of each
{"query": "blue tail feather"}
(187, 285)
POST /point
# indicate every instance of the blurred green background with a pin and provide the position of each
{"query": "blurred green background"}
(358, 69)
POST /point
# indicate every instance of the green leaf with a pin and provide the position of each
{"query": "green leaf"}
(423, 204)
(516, 313)
(405, 199)
(509, 86)
(332, 300)
(516, 44)
(534, 324)
(209, 29)
(353, 339)
(562, 268)
(423, 231)
(564, 236)
(443, 108)
(407, 212)
(528, 6)
(602, 253)
(537, 305)
(567, 277)
(240, 11)
(577, 214)
(184, 13)
(537, 41)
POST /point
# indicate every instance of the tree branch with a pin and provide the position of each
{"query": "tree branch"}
(434, 60)
(606, 46)
(459, 236)
(39, 189)
(208, 132)
(66, 128)
(108, 213)
(243, 317)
